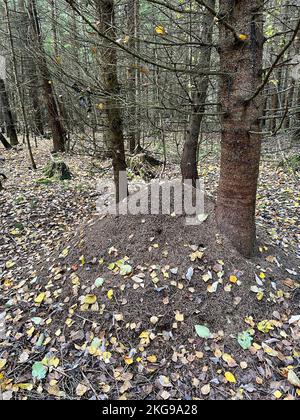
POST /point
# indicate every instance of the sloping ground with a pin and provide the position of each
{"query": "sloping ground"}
(108, 308)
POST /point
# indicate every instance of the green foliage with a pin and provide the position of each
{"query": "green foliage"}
(292, 163)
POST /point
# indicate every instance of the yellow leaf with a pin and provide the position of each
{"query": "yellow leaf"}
(90, 299)
(65, 253)
(230, 378)
(233, 279)
(54, 361)
(196, 256)
(152, 359)
(277, 395)
(25, 386)
(229, 360)
(106, 356)
(145, 334)
(2, 363)
(10, 264)
(243, 37)
(128, 360)
(260, 296)
(30, 332)
(39, 299)
(160, 30)
(249, 320)
(110, 294)
(179, 317)
(81, 390)
(69, 322)
(75, 280)
(265, 326)
(268, 350)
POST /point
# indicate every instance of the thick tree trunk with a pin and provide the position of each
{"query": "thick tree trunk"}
(241, 64)
(112, 88)
(9, 121)
(58, 131)
(189, 159)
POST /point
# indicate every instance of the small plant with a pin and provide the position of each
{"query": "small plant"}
(292, 163)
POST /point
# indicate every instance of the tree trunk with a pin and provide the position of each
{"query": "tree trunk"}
(132, 28)
(189, 159)
(112, 89)
(58, 131)
(241, 64)
(5, 143)
(31, 75)
(9, 121)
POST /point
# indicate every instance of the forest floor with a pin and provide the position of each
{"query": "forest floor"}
(143, 307)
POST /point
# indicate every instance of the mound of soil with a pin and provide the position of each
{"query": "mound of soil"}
(124, 276)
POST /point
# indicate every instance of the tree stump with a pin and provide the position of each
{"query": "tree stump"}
(58, 170)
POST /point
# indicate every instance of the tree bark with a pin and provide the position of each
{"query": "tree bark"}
(31, 74)
(5, 143)
(18, 87)
(111, 87)
(241, 138)
(132, 28)
(9, 121)
(189, 161)
(57, 128)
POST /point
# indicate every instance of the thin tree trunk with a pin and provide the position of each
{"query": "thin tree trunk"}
(58, 131)
(15, 71)
(241, 138)
(30, 70)
(132, 28)
(112, 88)
(9, 121)
(189, 159)
(5, 143)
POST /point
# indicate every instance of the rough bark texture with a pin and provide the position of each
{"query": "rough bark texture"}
(9, 121)
(132, 28)
(112, 88)
(58, 131)
(241, 141)
(189, 159)
(30, 70)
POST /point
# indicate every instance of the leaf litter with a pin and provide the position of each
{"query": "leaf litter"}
(89, 309)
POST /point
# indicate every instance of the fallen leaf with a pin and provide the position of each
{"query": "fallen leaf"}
(230, 378)
(293, 379)
(81, 390)
(90, 299)
(202, 331)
